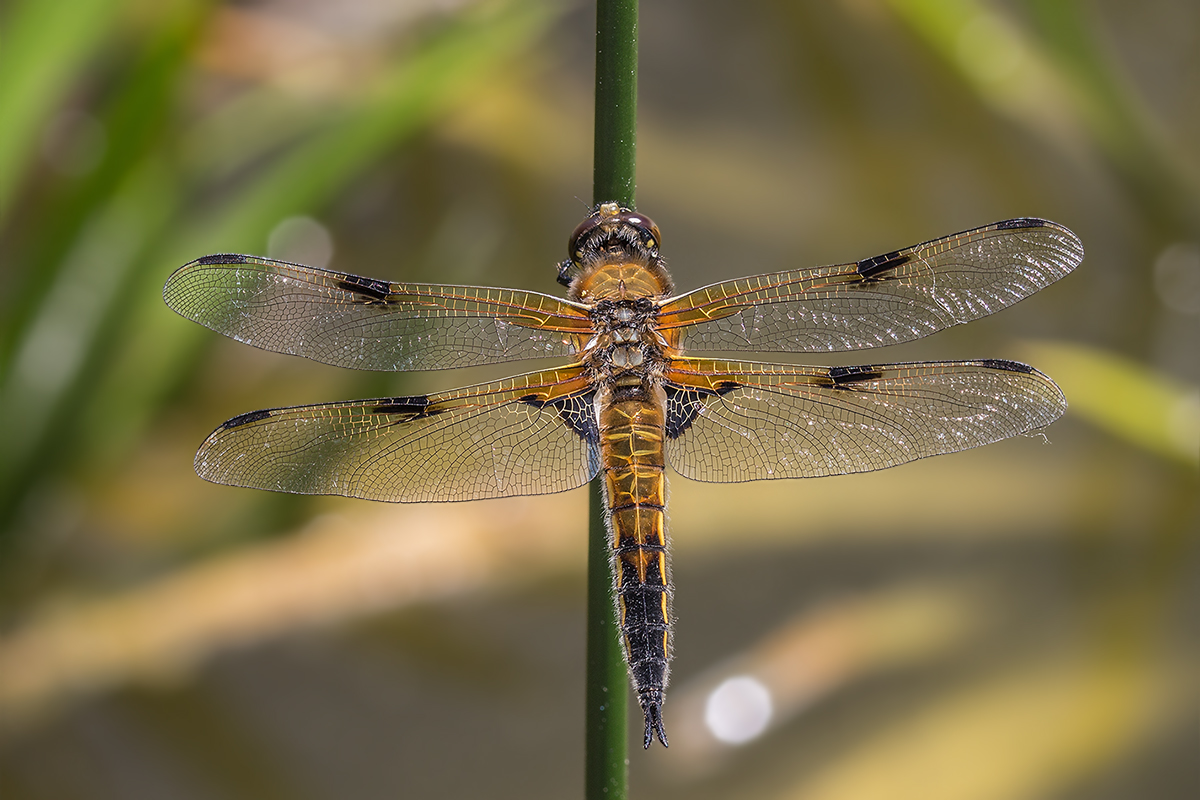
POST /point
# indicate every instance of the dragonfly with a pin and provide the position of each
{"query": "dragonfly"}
(635, 389)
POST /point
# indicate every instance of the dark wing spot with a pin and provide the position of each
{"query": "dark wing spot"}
(416, 406)
(1021, 222)
(577, 411)
(877, 265)
(684, 404)
(246, 419)
(374, 289)
(223, 258)
(1007, 366)
(843, 377)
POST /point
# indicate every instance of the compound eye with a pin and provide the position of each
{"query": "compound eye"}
(652, 237)
(646, 228)
(581, 230)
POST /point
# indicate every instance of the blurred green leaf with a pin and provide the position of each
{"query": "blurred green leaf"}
(45, 45)
(126, 350)
(1127, 399)
(1058, 86)
(133, 123)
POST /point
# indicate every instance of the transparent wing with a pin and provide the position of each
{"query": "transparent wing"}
(351, 321)
(730, 421)
(532, 434)
(891, 298)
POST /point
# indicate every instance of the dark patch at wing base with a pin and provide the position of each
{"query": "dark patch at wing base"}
(466, 444)
(793, 422)
(575, 411)
(685, 403)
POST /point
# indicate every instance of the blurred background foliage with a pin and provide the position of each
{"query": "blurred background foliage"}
(1014, 622)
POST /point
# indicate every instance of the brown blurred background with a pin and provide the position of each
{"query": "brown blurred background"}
(1011, 623)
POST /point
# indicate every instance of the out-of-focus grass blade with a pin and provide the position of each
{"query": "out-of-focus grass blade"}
(61, 345)
(995, 57)
(338, 568)
(1127, 399)
(1041, 728)
(134, 124)
(1056, 86)
(405, 99)
(813, 655)
(44, 45)
(157, 348)
(1118, 119)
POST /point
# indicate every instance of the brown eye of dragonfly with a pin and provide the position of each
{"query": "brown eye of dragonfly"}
(610, 219)
(647, 230)
(581, 231)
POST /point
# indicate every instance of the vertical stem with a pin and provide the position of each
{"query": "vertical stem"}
(614, 172)
(606, 770)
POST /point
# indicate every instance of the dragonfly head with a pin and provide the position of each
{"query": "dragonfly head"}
(610, 233)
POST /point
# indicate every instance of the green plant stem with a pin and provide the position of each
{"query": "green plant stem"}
(607, 770)
(615, 169)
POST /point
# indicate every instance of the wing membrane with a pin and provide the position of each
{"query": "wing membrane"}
(351, 321)
(532, 434)
(891, 298)
(732, 421)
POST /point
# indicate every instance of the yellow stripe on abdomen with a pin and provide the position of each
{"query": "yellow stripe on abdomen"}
(632, 432)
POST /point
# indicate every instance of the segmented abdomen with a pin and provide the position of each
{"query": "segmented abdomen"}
(632, 430)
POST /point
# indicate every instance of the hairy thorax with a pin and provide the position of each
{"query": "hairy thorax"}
(625, 348)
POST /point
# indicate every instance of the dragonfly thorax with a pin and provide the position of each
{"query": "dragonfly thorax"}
(625, 338)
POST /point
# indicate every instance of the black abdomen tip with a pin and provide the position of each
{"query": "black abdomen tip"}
(652, 708)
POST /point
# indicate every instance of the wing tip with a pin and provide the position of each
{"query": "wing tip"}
(1055, 407)
(177, 280)
(1073, 242)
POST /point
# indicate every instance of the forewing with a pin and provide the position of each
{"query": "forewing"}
(363, 323)
(731, 421)
(532, 434)
(891, 298)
